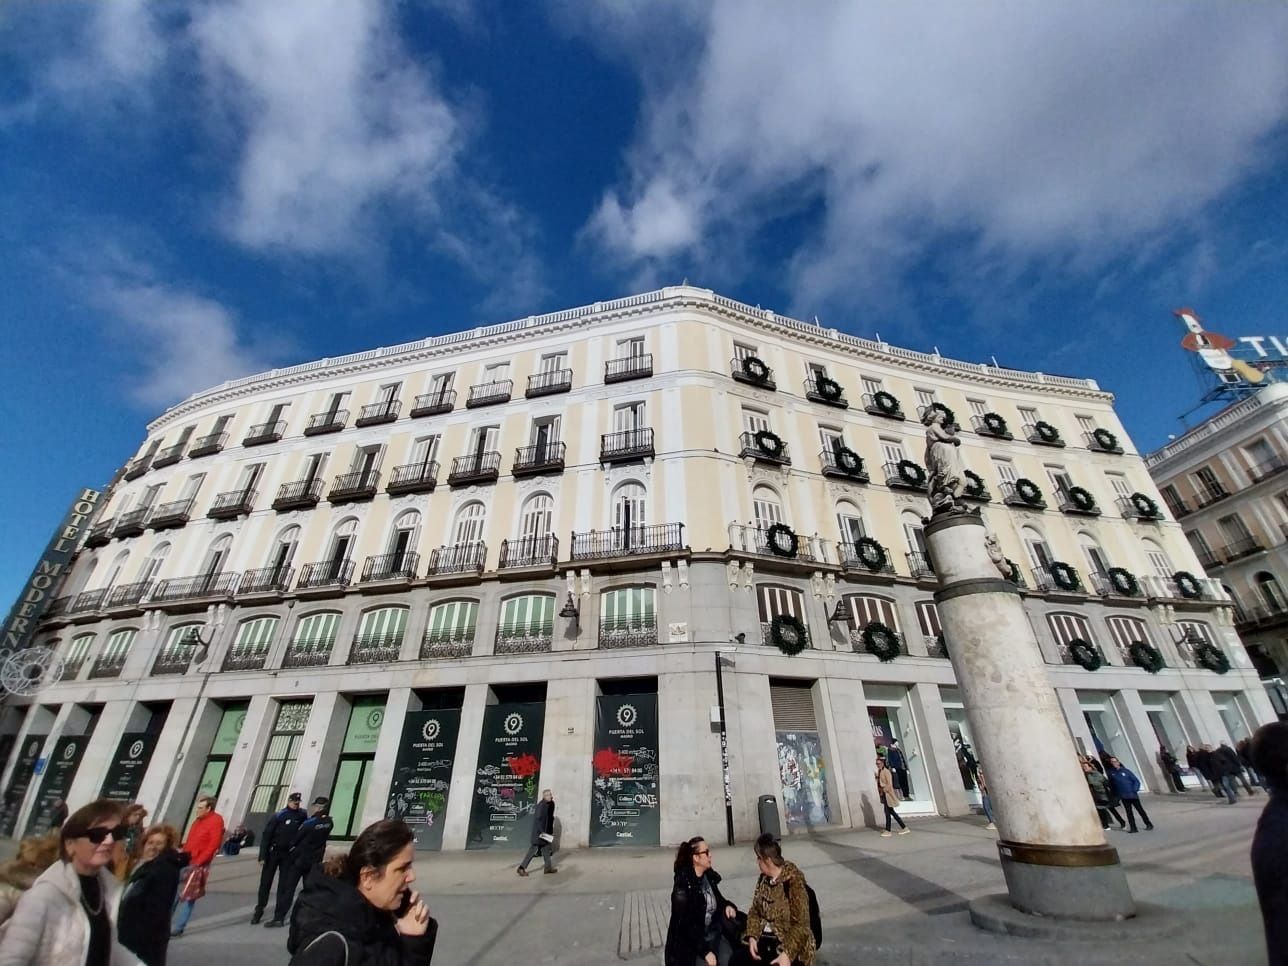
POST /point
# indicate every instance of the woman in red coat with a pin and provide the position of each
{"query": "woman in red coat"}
(204, 839)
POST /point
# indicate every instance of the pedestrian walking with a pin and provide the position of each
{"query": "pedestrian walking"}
(1210, 769)
(68, 916)
(1270, 842)
(543, 834)
(898, 763)
(274, 847)
(1233, 765)
(779, 932)
(1171, 768)
(360, 908)
(1127, 787)
(985, 804)
(149, 894)
(889, 797)
(1102, 795)
(307, 849)
(205, 836)
(1223, 770)
(699, 912)
(1244, 749)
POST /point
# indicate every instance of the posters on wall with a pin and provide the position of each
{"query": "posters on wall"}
(125, 776)
(23, 770)
(508, 776)
(57, 780)
(803, 775)
(423, 774)
(624, 793)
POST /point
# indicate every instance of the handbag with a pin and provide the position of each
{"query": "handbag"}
(344, 942)
(546, 837)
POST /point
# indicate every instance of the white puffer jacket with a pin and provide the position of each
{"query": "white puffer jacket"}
(50, 926)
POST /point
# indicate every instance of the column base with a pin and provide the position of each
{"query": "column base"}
(1080, 882)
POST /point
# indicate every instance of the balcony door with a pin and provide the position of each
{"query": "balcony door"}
(341, 547)
(628, 515)
(545, 433)
(628, 418)
(365, 462)
(469, 524)
(484, 441)
(216, 557)
(765, 507)
(284, 553)
(537, 520)
(402, 539)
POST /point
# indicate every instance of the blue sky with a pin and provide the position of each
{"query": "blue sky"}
(194, 191)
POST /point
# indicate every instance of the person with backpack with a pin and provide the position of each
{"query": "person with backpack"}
(696, 932)
(783, 925)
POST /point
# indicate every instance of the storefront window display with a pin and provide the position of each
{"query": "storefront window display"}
(894, 735)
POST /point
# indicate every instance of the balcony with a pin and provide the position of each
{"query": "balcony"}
(991, 424)
(936, 646)
(1267, 468)
(1114, 582)
(460, 558)
(627, 368)
(1262, 617)
(354, 487)
(489, 393)
(1209, 560)
(250, 658)
(1022, 496)
(434, 403)
(905, 475)
(266, 580)
(455, 642)
(329, 422)
(1138, 506)
(1102, 441)
(1239, 549)
(325, 575)
(529, 639)
(844, 464)
(975, 489)
(391, 566)
(138, 467)
(378, 413)
(827, 391)
(1066, 656)
(884, 404)
(128, 595)
(764, 447)
(201, 587)
(88, 601)
(1211, 494)
(168, 456)
(375, 648)
(71, 669)
(753, 372)
(308, 652)
(767, 635)
(1179, 508)
(529, 552)
(208, 445)
(99, 534)
(170, 516)
(131, 524)
(627, 446)
(57, 607)
(265, 433)
(413, 478)
(108, 666)
(866, 556)
(231, 504)
(1043, 434)
(919, 565)
(173, 660)
(1057, 579)
(628, 632)
(859, 646)
(539, 459)
(299, 495)
(548, 383)
(1077, 502)
(477, 468)
(776, 540)
(660, 538)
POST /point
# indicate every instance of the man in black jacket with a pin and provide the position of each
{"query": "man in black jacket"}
(543, 834)
(307, 849)
(1270, 843)
(274, 846)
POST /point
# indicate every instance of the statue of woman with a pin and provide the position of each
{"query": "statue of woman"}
(947, 477)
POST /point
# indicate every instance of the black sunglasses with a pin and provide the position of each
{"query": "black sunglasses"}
(703, 852)
(98, 834)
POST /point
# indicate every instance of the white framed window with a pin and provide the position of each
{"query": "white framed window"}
(892, 450)
(528, 615)
(914, 533)
(1086, 423)
(250, 477)
(333, 408)
(469, 523)
(383, 625)
(544, 434)
(1091, 550)
(441, 384)
(255, 637)
(316, 631)
(871, 386)
(452, 620)
(630, 502)
(284, 549)
(1005, 470)
(1028, 415)
(928, 619)
(78, 649)
(850, 521)
(152, 566)
(743, 350)
(496, 372)
(629, 417)
(553, 362)
(1158, 561)
(425, 450)
(118, 645)
(388, 394)
(831, 439)
(1060, 481)
(118, 565)
(1124, 631)
(192, 486)
(1036, 546)
(483, 439)
(343, 538)
(754, 421)
(765, 507)
(628, 606)
(631, 348)
(978, 407)
(866, 608)
(537, 518)
(403, 537)
(926, 397)
(773, 600)
(217, 555)
(314, 464)
(1200, 545)
(1066, 628)
(1118, 483)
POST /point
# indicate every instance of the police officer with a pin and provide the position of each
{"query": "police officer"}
(307, 849)
(274, 847)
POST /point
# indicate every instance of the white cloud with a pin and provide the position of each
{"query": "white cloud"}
(1070, 131)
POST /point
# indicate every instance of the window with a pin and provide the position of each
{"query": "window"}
(316, 632)
(545, 434)
(152, 566)
(177, 649)
(925, 397)
(217, 555)
(484, 440)
(1005, 471)
(1066, 628)
(1260, 456)
(452, 622)
(425, 450)
(928, 619)
(1036, 545)
(537, 518)
(388, 394)
(441, 384)
(628, 609)
(469, 523)
(628, 417)
(333, 408)
(118, 566)
(1086, 424)
(1158, 561)
(250, 477)
(1270, 591)
(865, 608)
(765, 507)
(1096, 562)
(77, 651)
(1234, 530)
(1118, 483)
(831, 439)
(742, 351)
(632, 348)
(254, 638)
(978, 407)
(221, 424)
(1125, 631)
(532, 615)
(313, 466)
(366, 460)
(913, 532)
(850, 521)
(892, 450)
(553, 362)
(754, 421)
(1060, 482)
(342, 541)
(1028, 415)
(284, 549)
(1200, 545)
(403, 538)
(149, 497)
(1173, 500)
(629, 503)
(1206, 483)
(117, 648)
(496, 372)
(191, 486)
(871, 386)
(772, 601)
(278, 768)
(382, 626)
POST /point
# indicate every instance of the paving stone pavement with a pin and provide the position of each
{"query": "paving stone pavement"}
(900, 901)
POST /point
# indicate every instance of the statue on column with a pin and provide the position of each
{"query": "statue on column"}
(943, 464)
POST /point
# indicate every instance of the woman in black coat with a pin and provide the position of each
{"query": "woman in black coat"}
(695, 936)
(358, 909)
(148, 897)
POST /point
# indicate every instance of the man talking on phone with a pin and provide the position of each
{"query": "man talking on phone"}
(543, 834)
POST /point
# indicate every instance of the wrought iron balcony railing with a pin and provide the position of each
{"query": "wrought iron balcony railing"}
(826, 391)
(128, 595)
(1043, 433)
(201, 586)
(535, 551)
(626, 446)
(377, 413)
(460, 558)
(628, 632)
(71, 669)
(859, 646)
(843, 464)
(331, 421)
(1013, 497)
(764, 447)
(1130, 511)
(761, 378)
(391, 566)
(108, 666)
(413, 478)
(231, 504)
(89, 600)
(208, 445)
(919, 564)
(266, 580)
(489, 393)
(298, 495)
(865, 559)
(1211, 494)
(774, 540)
(538, 459)
(168, 456)
(308, 652)
(325, 573)
(265, 433)
(1262, 616)
(1067, 658)
(628, 541)
(100, 533)
(990, 427)
(475, 468)
(904, 475)
(1071, 505)
(131, 524)
(250, 658)
(354, 487)
(138, 467)
(434, 403)
(1267, 468)
(172, 660)
(170, 516)
(767, 635)
(449, 643)
(1051, 579)
(628, 367)
(375, 648)
(58, 606)
(882, 403)
(1241, 548)
(936, 646)
(1102, 442)
(527, 639)
(549, 383)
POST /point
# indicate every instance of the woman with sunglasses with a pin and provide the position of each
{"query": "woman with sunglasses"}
(695, 934)
(67, 918)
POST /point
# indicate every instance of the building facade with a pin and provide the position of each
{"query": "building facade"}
(1224, 481)
(431, 579)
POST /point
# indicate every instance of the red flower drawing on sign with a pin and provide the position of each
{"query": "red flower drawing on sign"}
(523, 766)
(608, 763)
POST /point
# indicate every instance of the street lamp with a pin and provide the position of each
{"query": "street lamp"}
(570, 610)
(200, 646)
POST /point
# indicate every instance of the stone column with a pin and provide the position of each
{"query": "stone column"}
(1053, 850)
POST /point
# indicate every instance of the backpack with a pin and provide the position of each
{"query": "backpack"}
(815, 920)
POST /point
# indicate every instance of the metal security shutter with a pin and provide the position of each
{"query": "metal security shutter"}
(793, 703)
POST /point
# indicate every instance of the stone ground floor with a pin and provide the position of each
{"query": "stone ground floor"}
(630, 742)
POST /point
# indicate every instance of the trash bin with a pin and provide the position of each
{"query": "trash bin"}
(767, 809)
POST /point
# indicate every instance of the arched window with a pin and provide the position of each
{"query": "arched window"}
(1158, 561)
(1270, 591)
(469, 523)
(152, 566)
(451, 629)
(629, 502)
(177, 651)
(380, 635)
(217, 555)
(84, 576)
(114, 572)
(314, 636)
(115, 652)
(772, 601)
(250, 650)
(850, 521)
(527, 624)
(868, 609)
(537, 518)
(343, 539)
(1067, 628)
(932, 629)
(284, 548)
(766, 507)
(1036, 546)
(1096, 561)
(1125, 631)
(628, 617)
(77, 651)
(913, 532)
(403, 538)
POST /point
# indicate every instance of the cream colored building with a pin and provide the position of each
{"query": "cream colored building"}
(606, 504)
(1225, 482)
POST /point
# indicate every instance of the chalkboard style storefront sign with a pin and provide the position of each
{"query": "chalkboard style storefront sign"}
(57, 780)
(125, 776)
(423, 774)
(507, 781)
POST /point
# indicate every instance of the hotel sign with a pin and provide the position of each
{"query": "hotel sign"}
(20, 625)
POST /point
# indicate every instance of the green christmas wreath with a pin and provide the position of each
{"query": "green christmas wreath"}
(995, 424)
(1081, 498)
(788, 634)
(1211, 657)
(886, 402)
(1145, 505)
(974, 484)
(1146, 655)
(1123, 581)
(949, 418)
(849, 462)
(782, 540)
(1046, 432)
(755, 369)
(880, 640)
(769, 443)
(870, 553)
(1028, 491)
(1105, 439)
(1084, 655)
(1063, 575)
(911, 473)
(1187, 585)
(828, 388)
